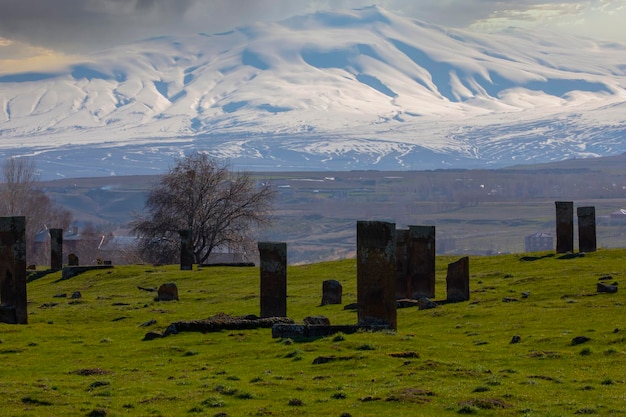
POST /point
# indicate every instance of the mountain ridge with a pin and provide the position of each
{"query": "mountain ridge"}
(356, 89)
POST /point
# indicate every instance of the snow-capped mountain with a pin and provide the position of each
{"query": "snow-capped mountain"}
(359, 89)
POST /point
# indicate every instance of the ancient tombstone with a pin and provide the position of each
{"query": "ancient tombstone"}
(72, 259)
(402, 264)
(13, 300)
(167, 292)
(421, 262)
(332, 292)
(457, 280)
(376, 273)
(564, 226)
(186, 250)
(56, 249)
(273, 265)
(586, 229)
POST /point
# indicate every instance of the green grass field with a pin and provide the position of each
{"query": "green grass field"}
(86, 357)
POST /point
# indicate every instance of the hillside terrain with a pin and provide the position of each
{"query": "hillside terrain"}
(474, 211)
(86, 356)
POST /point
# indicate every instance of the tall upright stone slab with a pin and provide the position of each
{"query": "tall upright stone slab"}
(376, 273)
(186, 250)
(586, 229)
(564, 226)
(13, 300)
(273, 263)
(56, 249)
(421, 261)
(402, 264)
(457, 280)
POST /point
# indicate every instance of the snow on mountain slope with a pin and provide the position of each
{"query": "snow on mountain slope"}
(360, 89)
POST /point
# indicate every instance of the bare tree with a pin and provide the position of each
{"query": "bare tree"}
(20, 196)
(199, 194)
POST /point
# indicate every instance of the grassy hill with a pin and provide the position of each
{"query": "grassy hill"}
(87, 356)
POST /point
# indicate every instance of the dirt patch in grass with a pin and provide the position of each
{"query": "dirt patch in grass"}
(412, 395)
(544, 378)
(405, 355)
(326, 359)
(486, 403)
(91, 371)
(544, 354)
(35, 401)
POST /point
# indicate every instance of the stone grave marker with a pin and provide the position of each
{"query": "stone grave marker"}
(332, 292)
(167, 292)
(421, 262)
(273, 265)
(564, 226)
(376, 273)
(56, 249)
(586, 229)
(457, 280)
(72, 259)
(13, 299)
(186, 250)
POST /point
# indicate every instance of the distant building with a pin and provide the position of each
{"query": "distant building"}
(618, 216)
(539, 242)
(120, 250)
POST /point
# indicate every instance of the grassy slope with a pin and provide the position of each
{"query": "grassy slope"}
(466, 362)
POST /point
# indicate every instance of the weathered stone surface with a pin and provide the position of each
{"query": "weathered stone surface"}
(7, 314)
(72, 260)
(186, 250)
(294, 331)
(402, 264)
(421, 261)
(316, 321)
(332, 292)
(606, 288)
(586, 229)
(406, 303)
(152, 336)
(376, 274)
(75, 295)
(56, 249)
(218, 323)
(13, 296)
(578, 340)
(457, 280)
(273, 269)
(564, 226)
(167, 292)
(425, 303)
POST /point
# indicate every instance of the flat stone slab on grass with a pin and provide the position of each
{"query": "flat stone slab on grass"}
(71, 271)
(218, 323)
(312, 331)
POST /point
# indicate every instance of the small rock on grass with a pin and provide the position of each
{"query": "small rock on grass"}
(580, 340)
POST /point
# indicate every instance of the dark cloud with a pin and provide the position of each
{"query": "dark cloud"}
(77, 25)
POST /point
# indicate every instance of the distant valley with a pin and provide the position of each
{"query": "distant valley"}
(474, 211)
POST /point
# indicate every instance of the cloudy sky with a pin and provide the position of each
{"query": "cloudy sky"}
(51, 33)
